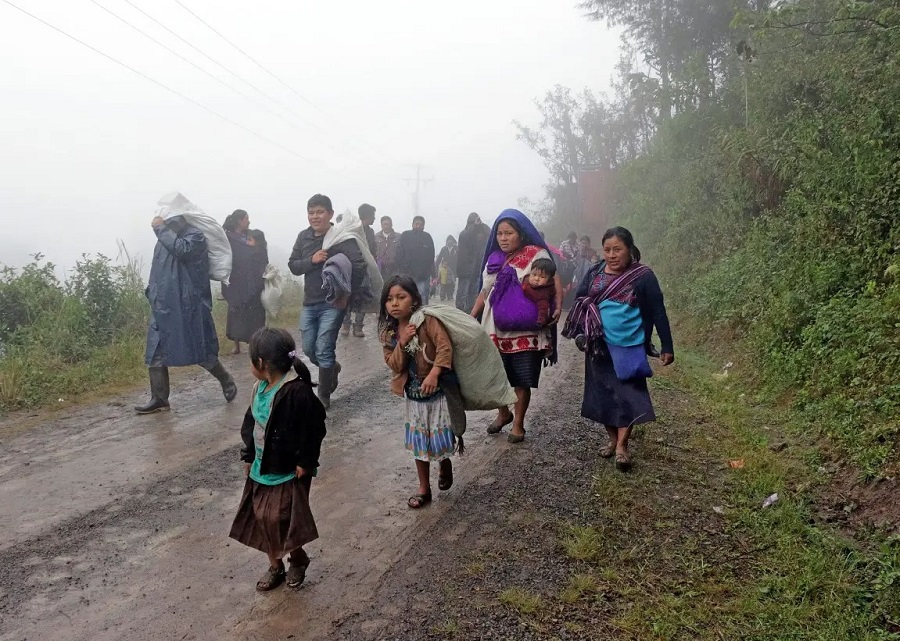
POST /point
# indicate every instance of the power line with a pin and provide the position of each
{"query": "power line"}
(258, 64)
(157, 83)
(216, 62)
(193, 64)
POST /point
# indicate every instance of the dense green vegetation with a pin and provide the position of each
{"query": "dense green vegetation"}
(757, 154)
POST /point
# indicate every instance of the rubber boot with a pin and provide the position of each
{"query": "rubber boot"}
(334, 379)
(326, 385)
(159, 392)
(229, 388)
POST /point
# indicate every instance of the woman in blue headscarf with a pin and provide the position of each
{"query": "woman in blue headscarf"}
(510, 318)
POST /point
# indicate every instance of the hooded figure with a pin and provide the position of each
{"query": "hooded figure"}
(510, 318)
(472, 241)
(181, 331)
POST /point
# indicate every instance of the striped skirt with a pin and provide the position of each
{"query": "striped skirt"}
(429, 435)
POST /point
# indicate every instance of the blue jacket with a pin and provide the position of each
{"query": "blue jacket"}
(182, 331)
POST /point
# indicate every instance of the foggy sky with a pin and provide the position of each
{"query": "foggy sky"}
(87, 147)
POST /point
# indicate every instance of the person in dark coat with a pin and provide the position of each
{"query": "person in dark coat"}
(386, 248)
(182, 331)
(472, 241)
(415, 256)
(361, 301)
(249, 259)
(320, 321)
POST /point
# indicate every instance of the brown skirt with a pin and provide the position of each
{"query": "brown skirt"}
(275, 519)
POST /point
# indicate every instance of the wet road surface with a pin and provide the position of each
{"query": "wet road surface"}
(114, 526)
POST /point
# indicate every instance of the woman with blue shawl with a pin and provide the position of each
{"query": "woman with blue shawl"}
(510, 317)
(617, 306)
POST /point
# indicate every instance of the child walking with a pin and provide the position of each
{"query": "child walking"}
(282, 433)
(418, 368)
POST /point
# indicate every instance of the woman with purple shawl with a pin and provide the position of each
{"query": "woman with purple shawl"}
(510, 317)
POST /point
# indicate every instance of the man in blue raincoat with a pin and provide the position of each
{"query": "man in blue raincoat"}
(182, 331)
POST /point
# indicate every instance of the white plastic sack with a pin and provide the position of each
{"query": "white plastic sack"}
(271, 294)
(348, 228)
(476, 361)
(217, 245)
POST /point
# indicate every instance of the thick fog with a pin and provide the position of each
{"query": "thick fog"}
(373, 88)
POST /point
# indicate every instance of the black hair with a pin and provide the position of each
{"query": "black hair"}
(449, 238)
(587, 238)
(386, 322)
(545, 265)
(366, 212)
(625, 236)
(386, 218)
(415, 218)
(320, 201)
(232, 220)
(278, 352)
(259, 237)
(512, 222)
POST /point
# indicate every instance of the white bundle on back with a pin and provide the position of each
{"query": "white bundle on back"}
(349, 228)
(271, 295)
(217, 245)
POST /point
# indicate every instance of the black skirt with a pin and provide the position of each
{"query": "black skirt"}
(244, 320)
(612, 402)
(275, 519)
(523, 369)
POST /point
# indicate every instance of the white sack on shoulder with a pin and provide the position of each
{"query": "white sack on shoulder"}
(271, 294)
(476, 361)
(217, 245)
(349, 228)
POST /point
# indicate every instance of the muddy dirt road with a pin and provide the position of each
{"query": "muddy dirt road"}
(114, 526)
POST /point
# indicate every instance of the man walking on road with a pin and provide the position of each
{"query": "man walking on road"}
(361, 299)
(386, 246)
(182, 331)
(321, 320)
(415, 255)
(472, 243)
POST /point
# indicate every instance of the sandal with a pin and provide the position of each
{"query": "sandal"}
(296, 574)
(419, 501)
(445, 476)
(271, 579)
(494, 428)
(608, 452)
(623, 461)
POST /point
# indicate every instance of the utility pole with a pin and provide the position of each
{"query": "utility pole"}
(418, 190)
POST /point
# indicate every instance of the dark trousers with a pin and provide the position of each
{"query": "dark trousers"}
(467, 292)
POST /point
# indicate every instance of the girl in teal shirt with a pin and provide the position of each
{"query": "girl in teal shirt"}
(282, 434)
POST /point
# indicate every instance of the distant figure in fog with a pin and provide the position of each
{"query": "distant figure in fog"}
(249, 259)
(585, 259)
(472, 241)
(417, 377)
(618, 304)
(415, 255)
(182, 331)
(361, 299)
(445, 265)
(386, 242)
(282, 433)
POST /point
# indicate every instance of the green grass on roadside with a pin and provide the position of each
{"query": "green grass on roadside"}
(774, 573)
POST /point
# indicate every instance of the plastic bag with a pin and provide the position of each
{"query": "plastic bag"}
(271, 294)
(350, 227)
(217, 245)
